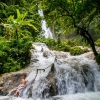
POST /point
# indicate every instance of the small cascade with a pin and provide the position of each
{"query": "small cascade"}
(48, 33)
(41, 68)
(77, 75)
(72, 74)
(57, 75)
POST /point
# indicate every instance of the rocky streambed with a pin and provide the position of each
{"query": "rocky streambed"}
(59, 74)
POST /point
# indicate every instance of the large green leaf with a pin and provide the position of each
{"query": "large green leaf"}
(32, 26)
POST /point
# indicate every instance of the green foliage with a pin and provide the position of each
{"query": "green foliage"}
(70, 42)
(9, 9)
(51, 43)
(67, 46)
(63, 47)
(97, 43)
(14, 54)
(79, 15)
(14, 2)
(16, 33)
(14, 26)
(11, 65)
(98, 58)
(85, 49)
(79, 41)
(76, 51)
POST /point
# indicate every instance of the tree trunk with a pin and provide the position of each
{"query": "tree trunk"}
(84, 33)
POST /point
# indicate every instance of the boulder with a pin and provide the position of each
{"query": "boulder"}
(9, 82)
(47, 53)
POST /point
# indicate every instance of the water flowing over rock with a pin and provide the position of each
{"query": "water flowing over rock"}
(79, 96)
(52, 74)
(10, 81)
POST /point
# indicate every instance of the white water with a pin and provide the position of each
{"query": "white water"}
(80, 96)
(41, 63)
(77, 77)
(47, 32)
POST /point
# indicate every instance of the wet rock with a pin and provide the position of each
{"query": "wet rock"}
(59, 62)
(40, 46)
(60, 55)
(1, 88)
(56, 98)
(46, 53)
(98, 49)
(34, 60)
(30, 92)
(9, 82)
(52, 68)
(90, 55)
(52, 84)
(1, 83)
(88, 77)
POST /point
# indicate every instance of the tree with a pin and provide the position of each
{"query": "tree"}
(13, 2)
(76, 13)
(13, 26)
(8, 7)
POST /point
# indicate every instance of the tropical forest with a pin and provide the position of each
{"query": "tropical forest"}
(51, 48)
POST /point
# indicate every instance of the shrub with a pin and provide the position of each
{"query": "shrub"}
(64, 47)
(11, 66)
(97, 43)
(70, 42)
(85, 49)
(80, 41)
(98, 58)
(14, 54)
(67, 48)
(76, 50)
(61, 45)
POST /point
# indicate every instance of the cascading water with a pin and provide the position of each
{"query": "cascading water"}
(58, 73)
(77, 75)
(48, 33)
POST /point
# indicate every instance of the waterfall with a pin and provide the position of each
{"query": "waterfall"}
(43, 64)
(47, 32)
(61, 76)
(77, 75)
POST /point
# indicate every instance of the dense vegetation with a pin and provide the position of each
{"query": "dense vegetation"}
(20, 25)
(14, 54)
(17, 30)
(77, 15)
(67, 46)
